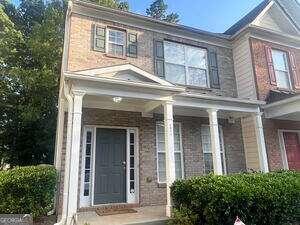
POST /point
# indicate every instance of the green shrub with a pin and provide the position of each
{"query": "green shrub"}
(27, 190)
(258, 199)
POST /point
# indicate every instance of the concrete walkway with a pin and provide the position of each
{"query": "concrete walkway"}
(150, 215)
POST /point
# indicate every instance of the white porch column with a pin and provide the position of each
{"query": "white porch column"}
(215, 141)
(74, 154)
(169, 148)
(262, 152)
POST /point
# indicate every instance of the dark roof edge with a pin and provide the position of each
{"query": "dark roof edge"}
(247, 19)
(139, 16)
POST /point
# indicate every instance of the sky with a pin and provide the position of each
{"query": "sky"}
(210, 15)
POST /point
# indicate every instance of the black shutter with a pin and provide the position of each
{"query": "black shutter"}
(213, 70)
(159, 62)
(99, 38)
(132, 45)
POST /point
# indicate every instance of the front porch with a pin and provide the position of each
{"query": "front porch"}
(148, 215)
(127, 142)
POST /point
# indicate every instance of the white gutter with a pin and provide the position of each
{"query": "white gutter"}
(60, 121)
(218, 98)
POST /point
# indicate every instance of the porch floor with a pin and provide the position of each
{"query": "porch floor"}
(152, 215)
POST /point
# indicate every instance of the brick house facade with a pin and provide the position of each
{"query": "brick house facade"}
(265, 90)
(144, 102)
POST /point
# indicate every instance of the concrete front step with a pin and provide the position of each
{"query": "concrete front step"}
(150, 215)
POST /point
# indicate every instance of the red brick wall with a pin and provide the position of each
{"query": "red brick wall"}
(260, 65)
(81, 55)
(150, 192)
(271, 128)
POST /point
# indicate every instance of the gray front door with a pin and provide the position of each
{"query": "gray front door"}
(110, 168)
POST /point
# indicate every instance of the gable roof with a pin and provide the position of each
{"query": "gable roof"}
(246, 20)
(290, 7)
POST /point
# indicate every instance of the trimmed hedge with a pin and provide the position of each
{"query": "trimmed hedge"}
(27, 189)
(258, 199)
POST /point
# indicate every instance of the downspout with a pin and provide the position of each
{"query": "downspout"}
(64, 90)
(67, 159)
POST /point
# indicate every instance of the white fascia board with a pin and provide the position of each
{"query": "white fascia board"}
(227, 99)
(123, 67)
(283, 107)
(212, 104)
(77, 76)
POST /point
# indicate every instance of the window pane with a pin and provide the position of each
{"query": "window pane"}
(279, 60)
(195, 57)
(131, 174)
(174, 53)
(197, 77)
(88, 149)
(88, 137)
(208, 163)
(175, 73)
(178, 168)
(87, 162)
(87, 176)
(132, 138)
(160, 137)
(86, 189)
(161, 146)
(161, 167)
(131, 149)
(282, 79)
(160, 128)
(132, 162)
(115, 49)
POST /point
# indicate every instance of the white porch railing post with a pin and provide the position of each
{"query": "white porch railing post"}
(215, 141)
(169, 148)
(75, 153)
(262, 152)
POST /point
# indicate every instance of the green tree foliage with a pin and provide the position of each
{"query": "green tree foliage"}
(158, 10)
(115, 4)
(31, 42)
(29, 77)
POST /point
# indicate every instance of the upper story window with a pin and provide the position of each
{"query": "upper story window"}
(116, 42)
(186, 65)
(281, 68)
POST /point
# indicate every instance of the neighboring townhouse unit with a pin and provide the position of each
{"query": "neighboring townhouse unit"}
(266, 51)
(144, 102)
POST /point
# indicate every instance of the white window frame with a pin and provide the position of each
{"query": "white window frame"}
(186, 66)
(109, 42)
(164, 152)
(285, 71)
(222, 147)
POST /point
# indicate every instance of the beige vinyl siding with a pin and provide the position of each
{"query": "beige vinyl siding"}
(243, 69)
(250, 143)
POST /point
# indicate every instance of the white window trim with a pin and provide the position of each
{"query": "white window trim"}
(285, 71)
(108, 42)
(222, 147)
(86, 201)
(157, 151)
(282, 146)
(186, 66)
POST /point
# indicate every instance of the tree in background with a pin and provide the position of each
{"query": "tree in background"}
(158, 10)
(115, 4)
(31, 43)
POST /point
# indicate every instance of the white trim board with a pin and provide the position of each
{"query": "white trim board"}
(130, 197)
